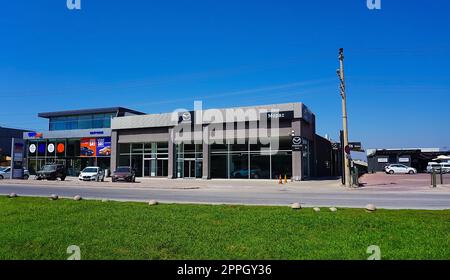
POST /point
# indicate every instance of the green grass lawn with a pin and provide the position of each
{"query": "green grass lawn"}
(38, 228)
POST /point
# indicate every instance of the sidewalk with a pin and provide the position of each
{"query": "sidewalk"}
(373, 183)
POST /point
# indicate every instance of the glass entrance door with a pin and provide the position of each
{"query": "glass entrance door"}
(189, 168)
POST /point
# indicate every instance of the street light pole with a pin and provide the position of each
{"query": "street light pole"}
(341, 76)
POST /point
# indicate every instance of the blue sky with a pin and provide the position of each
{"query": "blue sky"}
(156, 56)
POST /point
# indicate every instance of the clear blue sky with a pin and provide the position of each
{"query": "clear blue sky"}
(156, 56)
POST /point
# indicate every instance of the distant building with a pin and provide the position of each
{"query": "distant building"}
(414, 157)
(6, 134)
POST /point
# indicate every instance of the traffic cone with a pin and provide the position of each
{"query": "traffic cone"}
(280, 181)
(285, 178)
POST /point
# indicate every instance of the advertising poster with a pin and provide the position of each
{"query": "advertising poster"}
(95, 147)
(88, 147)
(104, 147)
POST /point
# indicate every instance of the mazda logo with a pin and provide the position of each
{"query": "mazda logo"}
(186, 116)
(297, 140)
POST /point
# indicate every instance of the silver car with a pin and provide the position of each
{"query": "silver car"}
(5, 173)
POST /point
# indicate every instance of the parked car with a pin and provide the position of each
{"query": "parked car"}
(124, 173)
(85, 151)
(92, 173)
(433, 166)
(51, 172)
(5, 173)
(445, 166)
(399, 169)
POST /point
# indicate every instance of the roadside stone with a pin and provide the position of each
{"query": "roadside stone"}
(316, 209)
(12, 195)
(153, 202)
(77, 198)
(296, 206)
(54, 197)
(333, 209)
(370, 208)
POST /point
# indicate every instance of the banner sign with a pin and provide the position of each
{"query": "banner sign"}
(104, 147)
(282, 115)
(95, 147)
(355, 146)
(17, 158)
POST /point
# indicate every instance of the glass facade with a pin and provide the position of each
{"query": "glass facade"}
(147, 159)
(251, 161)
(189, 161)
(61, 151)
(81, 122)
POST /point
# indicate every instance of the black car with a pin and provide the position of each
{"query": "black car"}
(124, 173)
(51, 172)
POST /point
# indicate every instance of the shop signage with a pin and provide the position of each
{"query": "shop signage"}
(35, 135)
(51, 148)
(41, 148)
(382, 159)
(96, 132)
(95, 147)
(60, 148)
(297, 143)
(32, 148)
(17, 157)
(355, 146)
(18, 151)
(185, 117)
(282, 115)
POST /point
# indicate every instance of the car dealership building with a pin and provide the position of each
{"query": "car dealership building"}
(76, 138)
(256, 142)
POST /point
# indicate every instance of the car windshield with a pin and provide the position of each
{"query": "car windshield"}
(90, 169)
(123, 169)
(49, 168)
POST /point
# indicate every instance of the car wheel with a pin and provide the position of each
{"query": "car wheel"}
(63, 178)
(410, 172)
(113, 180)
(1, 177)
(25, 177)
(103, 179)
(391, 171)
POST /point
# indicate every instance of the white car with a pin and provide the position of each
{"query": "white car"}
(445, 167)
(92, 173)
(399, 169)
(5, 173)
(433, 166)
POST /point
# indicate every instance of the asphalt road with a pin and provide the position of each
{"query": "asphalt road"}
(338, 198)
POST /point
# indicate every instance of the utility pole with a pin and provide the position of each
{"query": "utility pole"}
(340, 73)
